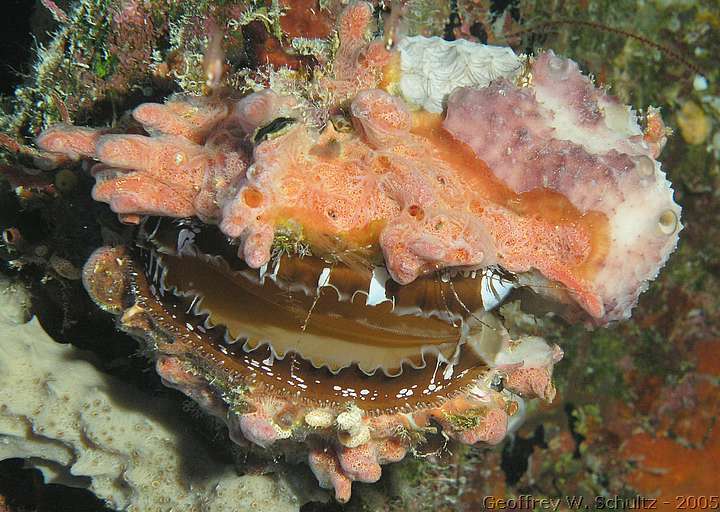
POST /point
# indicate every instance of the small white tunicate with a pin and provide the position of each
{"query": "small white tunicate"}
(645, 166)
(668, 222)
(700, 83)
(559, 66)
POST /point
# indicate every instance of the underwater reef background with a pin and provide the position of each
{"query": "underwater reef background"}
(638, 402)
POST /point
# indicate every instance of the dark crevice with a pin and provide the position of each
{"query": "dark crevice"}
(497, 7)
(24, 489)
(453, 23)
(15, 43)
(516, 452)
(321, 507)
(572, 423)
(478, 30)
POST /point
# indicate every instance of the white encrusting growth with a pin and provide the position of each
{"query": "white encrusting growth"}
(14, 302)
(320, 418)
(528, 352)
(494, 288)
(351, 423)
(432, 68)
(377, 293)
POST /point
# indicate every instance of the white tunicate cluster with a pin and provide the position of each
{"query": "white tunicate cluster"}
(432, 68)
(351, 423)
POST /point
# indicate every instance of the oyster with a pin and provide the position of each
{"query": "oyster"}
(319, 266)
